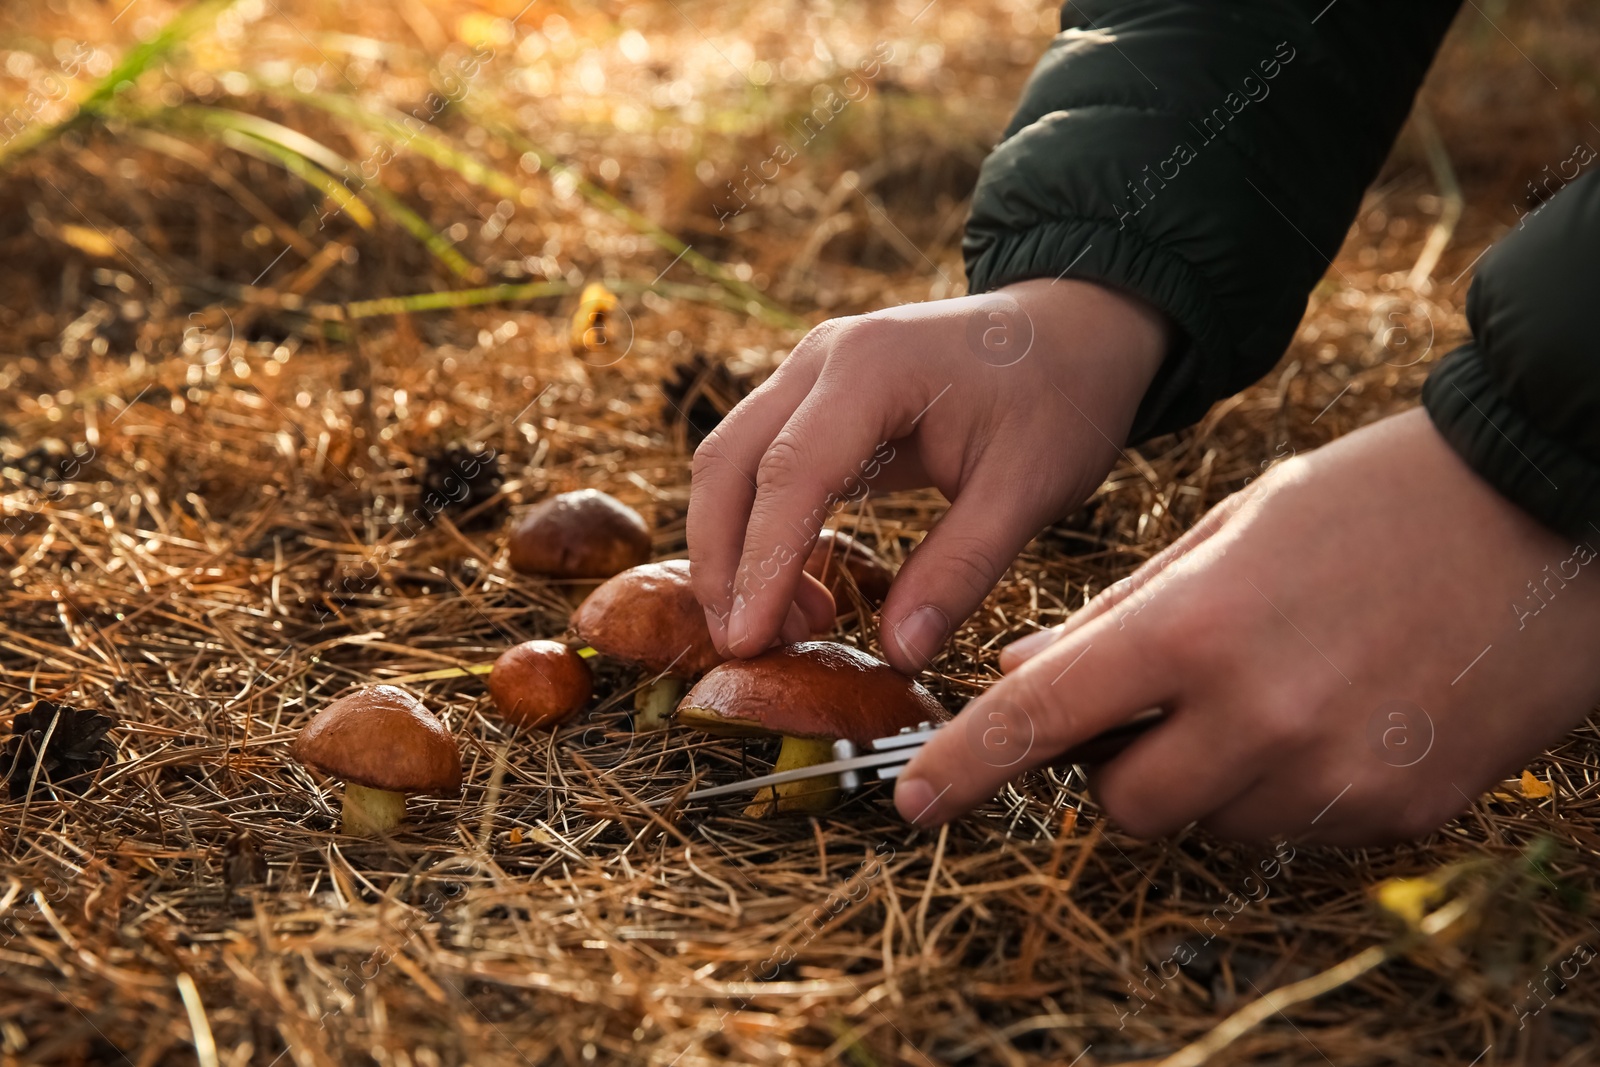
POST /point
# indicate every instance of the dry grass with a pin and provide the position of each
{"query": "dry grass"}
(238, 543)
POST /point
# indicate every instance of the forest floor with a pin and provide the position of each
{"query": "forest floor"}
(226, 365)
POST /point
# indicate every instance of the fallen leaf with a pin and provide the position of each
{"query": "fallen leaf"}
(589, 325)
(1533, 787)
(87, 239)
(1409, 899)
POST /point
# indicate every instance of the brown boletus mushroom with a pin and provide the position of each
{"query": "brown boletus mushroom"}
(586, 534)
(539, 683)
(840, 562)
(811, 694)
(648, 616)
(384, 743)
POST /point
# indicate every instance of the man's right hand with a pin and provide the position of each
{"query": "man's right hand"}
(1013, 404)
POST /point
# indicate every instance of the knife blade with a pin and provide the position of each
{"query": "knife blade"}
(890, 754)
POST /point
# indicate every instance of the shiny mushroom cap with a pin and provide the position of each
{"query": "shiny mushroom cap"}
(839, 560)
(816, 689)
(586, 534)
(649, 616)
(539, 683)
(382, 738)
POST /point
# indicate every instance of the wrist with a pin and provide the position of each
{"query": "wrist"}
(1106, 343)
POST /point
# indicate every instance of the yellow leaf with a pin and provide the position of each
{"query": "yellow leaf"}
(87, 239)
(1409, 899)
(592, 319)
(516, 835)
(1533, 787)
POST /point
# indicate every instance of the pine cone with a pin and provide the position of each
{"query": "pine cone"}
(78, 746)
(459, 477)
(699, 394)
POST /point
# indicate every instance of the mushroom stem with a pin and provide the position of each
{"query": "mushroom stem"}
(655, 702)
(812, 796)
(370, 812)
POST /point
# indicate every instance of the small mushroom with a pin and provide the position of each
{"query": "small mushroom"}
(839, 562)
(811, 694)
(384, 743)
(539, 683)
(648, 616)
(586, 534)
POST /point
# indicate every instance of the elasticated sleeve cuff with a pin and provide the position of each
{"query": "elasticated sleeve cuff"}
(1555, 484)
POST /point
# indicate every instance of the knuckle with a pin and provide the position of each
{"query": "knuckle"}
(1043, 708)
(784, 465)
(862, 333)
(971, 563)
(854, 343)
(822, 340)
(1028, 697)
(711, 455)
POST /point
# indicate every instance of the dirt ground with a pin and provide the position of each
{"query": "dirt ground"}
(227, 369)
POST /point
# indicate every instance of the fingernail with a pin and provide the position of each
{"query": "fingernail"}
(1033, 643)
(922, 634)
(794, 626)
(913, 797)
(717, 623)
(738, 625)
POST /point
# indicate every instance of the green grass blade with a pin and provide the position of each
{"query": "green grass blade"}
(390, 124)
(272, 151)
(321, 165)
(750, 299)
(450, 299)
(756, 302)
(140, 58)
(509, 294)
(434, 241)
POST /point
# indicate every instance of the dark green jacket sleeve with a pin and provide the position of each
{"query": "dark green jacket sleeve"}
(1207, 156)
(1521, 401)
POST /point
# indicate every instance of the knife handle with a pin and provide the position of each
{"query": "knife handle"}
(1103, 747)
(1107, 745)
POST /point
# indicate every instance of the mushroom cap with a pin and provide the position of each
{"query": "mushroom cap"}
(539, 683)
(818, 689)
(648, 616)
(837, 559)
(586, 534)
(383, 738)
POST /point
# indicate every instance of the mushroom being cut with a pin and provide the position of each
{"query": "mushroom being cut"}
(811, 694)
(648, 617)
(384, 743)
(839, 562)
(539, 683)
(586, 534)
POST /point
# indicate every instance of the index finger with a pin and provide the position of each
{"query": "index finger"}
(1084, 684)
(830, 451)
(724, 485)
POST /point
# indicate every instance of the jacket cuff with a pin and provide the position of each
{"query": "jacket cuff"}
(1556, 485)
(1113, 256)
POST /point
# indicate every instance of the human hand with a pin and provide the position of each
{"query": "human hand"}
(1348, 651)
(1012, 404)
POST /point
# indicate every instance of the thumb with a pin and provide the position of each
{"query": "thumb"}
(956, 566)
(1025, 720)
